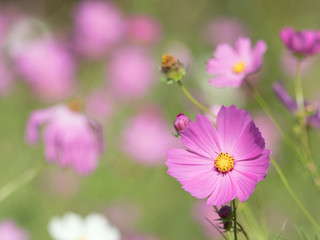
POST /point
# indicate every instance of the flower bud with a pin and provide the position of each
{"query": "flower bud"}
(181, 122)
(227, 225)
(172, 69)
(225, 212)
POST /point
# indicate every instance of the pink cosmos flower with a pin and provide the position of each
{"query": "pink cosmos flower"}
(143, 29)
(48, 67)
(131, 72)
(146, 137)
(10, 231)
(224, 30)
(222, 163)
(98, 27)
(70, 138)
(305, 42)
(230, 67)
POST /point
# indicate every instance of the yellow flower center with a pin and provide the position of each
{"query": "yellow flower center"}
(224, 162)
(239, 67)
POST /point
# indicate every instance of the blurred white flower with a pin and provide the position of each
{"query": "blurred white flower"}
(73, 227)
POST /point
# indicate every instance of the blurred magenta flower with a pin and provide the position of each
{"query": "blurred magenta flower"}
(143, 29)
(73, 227)
(181, 121)
(222, 163)
(100, 104)
(70, 137)
(146, 137)
(304, 43)
(10, 231)
(230, 67)
(311, 109)
(131, 72)
(48, 67)
(201, 212)
(99, 26)
(224, 30)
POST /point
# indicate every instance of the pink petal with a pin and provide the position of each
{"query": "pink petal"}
(250, 144)
(257, 166)
(244, 183)
(257, 55)
(201, 137)
(230, 124)
(197, 174)
(224, 191)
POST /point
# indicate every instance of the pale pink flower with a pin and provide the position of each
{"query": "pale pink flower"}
(70, 138)
(10, 231)
(143, 29)
(230, 66)
(131, 72)
(220, 163)
(224, 30)
(100, 104)
(48, 67)
(99, 26)
(146, 137)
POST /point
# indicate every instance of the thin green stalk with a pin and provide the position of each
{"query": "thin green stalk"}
(298, 89)
(285, 137)
(293, 195)
(194, 101)
(234, 219)
(229, 235)
(21, 181)
(243, 231)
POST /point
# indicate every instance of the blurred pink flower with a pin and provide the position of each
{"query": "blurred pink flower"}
(10, 231)
(70, 138)
(224, 30)
(146, 137)
(61, 183)
(143, 29)
(98, 27)
(201, 212)
(230, 67)
(6, 78)
(140, 237)
(100, 104)
(268, 131)
(131, 72)
(48, 67)
(124, 215)
(221, 163)
(289, 64)
(305, 42)
(215, 108)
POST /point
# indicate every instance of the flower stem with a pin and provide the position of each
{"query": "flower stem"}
(302, 119)
(243, 231)
(194, 101)
(286, 138)
(21, 181)
(234, 219)
(293, 195)
(229, 235)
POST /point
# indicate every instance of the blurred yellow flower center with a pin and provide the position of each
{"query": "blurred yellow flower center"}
(224, 162)
(82, 238)
(239, 67)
